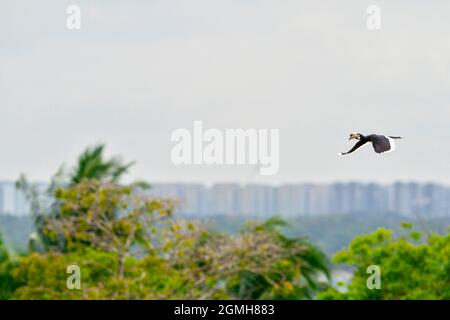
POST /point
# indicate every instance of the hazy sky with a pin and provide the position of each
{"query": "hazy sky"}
(137, 70)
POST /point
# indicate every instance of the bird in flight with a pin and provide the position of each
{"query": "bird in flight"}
(380, 143)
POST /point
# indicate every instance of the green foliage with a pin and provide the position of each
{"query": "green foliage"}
(185, 262)
(7, 282)
(409, 270)
(91, 165)
(293, 277)
(127, 247)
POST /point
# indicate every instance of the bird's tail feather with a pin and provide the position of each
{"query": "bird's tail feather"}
(395, 137)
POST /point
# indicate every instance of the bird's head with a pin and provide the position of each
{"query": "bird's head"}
(355, 136)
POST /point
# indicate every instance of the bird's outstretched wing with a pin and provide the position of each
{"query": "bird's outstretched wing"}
(356, 146)
(382, 144)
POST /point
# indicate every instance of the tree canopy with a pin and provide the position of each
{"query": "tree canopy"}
(127, 246)
(411, 268)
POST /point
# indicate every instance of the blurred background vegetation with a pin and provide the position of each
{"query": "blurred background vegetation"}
(129, 245)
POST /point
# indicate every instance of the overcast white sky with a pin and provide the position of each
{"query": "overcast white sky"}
(137, 70)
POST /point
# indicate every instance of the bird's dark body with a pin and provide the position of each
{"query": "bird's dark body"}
(380, 143)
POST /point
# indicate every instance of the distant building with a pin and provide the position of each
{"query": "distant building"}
(225, 199)
(289, 200)
(12, 201)
(258, 200)
(318, 200)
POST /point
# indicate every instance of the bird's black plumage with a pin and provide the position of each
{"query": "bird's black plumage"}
(379, 142)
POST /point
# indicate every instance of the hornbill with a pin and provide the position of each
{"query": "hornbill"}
(380, 143)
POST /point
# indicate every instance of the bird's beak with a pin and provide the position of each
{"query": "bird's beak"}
(351, 137)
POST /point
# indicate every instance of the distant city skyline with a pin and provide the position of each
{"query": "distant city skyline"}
(288, 200)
